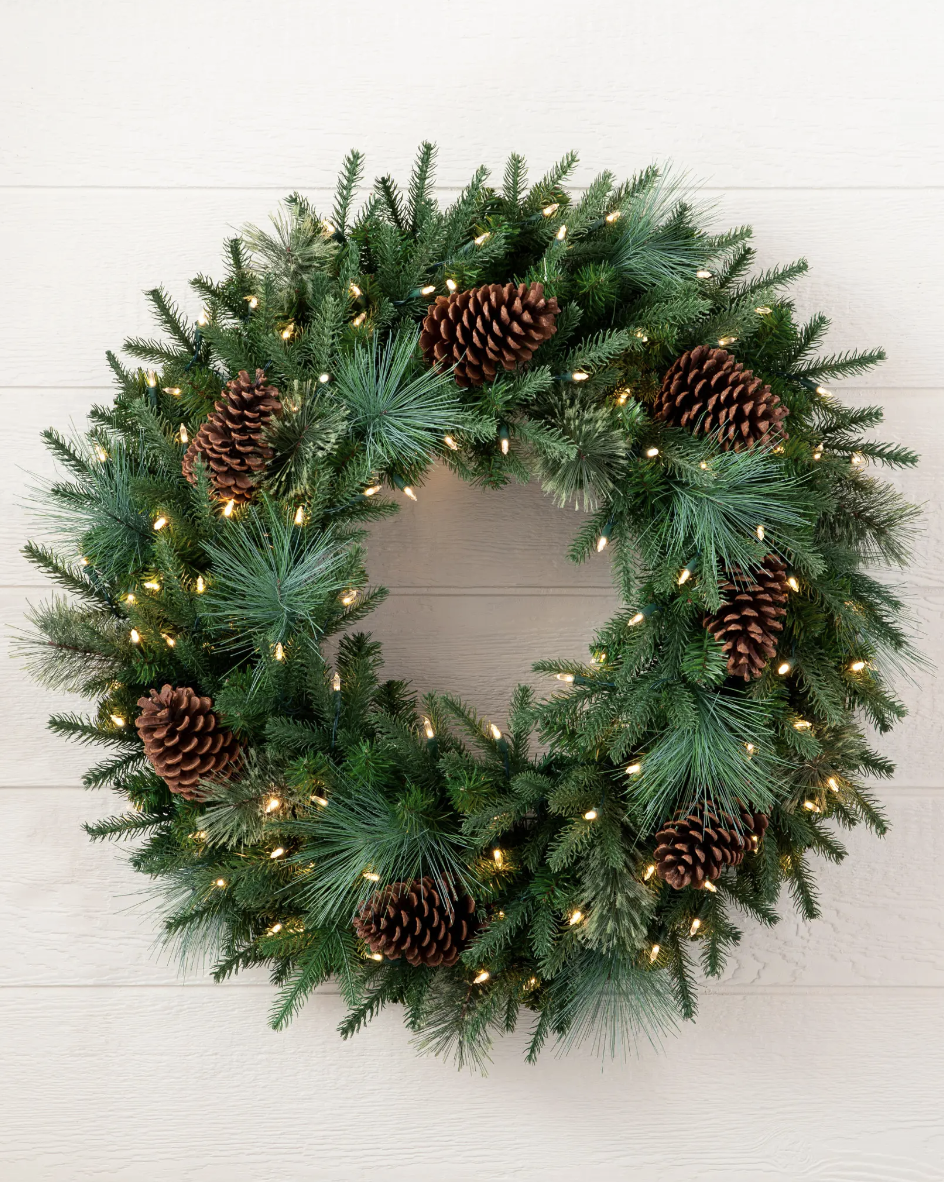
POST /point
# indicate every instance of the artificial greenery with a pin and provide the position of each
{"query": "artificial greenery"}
(577, 937)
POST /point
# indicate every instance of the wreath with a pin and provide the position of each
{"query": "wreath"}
(294, 809)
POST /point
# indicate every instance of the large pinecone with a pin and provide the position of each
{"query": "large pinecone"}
(696, 846)
(412, 920)
(750, 616)
(183, 739)
(231, 441)
(711, 393)
(478, 331)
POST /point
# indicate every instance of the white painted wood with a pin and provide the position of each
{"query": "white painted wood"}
(874, 253)
(135, 138)
(77, 915)
(146, 1085)
(838, 94)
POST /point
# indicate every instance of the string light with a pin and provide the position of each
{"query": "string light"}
(152, 585)
(709, 886)
(494, 731)
(704, 466)
(696, 924)
(483, 238)
(428, 289)
(614, 216)
(634, 769)
(590, 815)
(833, 783)
(857, 666)
(184, 437)
(328, 227)
(277, 852)
(321, 800)
(812, 806)
(275, 929)
(173, 390)
(129, 598)
(703, 274)
(348, 598)
(100, 453)
(405, 488)
(784, 668)
(450, 443)
(253, 302)
(498, 857)
(372, 491)
(200, 585)
(654, 953)
(622, 396)
(760, 533)
(371, 876)
(279, 652)
(428, 728)
(299, 518)
(287, 332)
(355, 291)
(324, 377)
(818, 453)
(117, 719)
(575, 917)
(858, 460)
(169, 640)
(650, 870)
(652, 452)
(793, 583)
(722, 341)
(579, 376)
(684, 576)
(823, 392)
(549, 210)
(481, 977)
(359, 320)
(561, 234)
(336, 683)
(159, 523)
(203, 319)
(83, 561)
(568, 677)
(642, 336)
(376, 956)
(763, 310)
(228, 508)
(802, 724)
(220, 882)
(152, 380)
(134, 636)
(451, 284)
(750, 749)
(504, 438)
(272, 804)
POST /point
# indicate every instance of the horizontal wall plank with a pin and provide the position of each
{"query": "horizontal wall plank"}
(877, 262)
(78, 915)
(145, 1085)
(478, 646)
(131, 96)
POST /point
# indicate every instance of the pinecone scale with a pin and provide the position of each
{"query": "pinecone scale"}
(711, 393)
(750, 617)
(231, 442)
(695, 847)
(414, 920)
(184, 741)
(487, 328)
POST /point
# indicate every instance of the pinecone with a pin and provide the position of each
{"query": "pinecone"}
(231, 442)
(750, 616)
(695, 847)
(412, 920)
(711, 393)
(479, 330)
(183, 741)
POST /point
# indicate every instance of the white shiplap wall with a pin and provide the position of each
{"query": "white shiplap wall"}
(134, 137)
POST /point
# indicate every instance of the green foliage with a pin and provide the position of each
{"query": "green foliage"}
(341, 791)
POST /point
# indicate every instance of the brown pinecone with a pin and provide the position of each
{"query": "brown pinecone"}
(750, 616)
(711, 393)
(412, 920)
(231, 441)
(479, 330)
(696, 846)
(183, 741)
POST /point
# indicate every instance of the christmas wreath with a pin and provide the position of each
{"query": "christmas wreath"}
(295, 810)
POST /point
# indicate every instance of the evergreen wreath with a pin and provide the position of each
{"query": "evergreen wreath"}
(308, 815)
